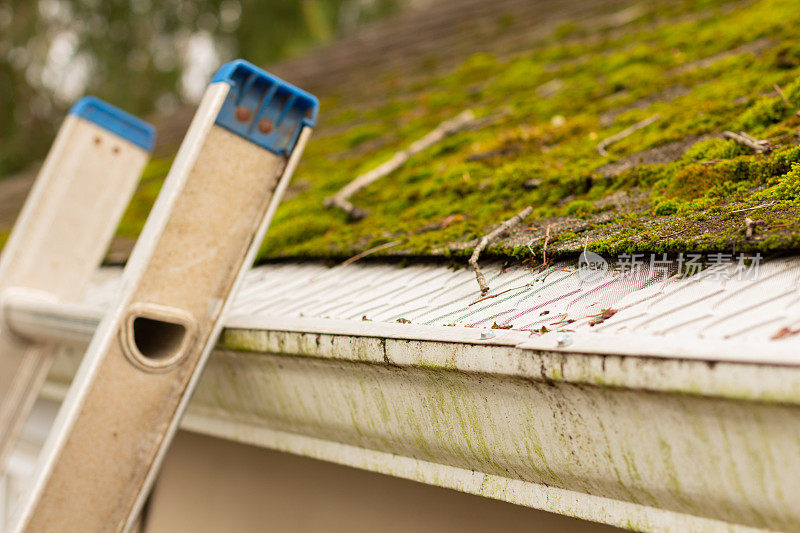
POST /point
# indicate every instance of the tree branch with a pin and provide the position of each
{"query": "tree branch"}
(759, 146)
(490, 238)
(605, 143)
(341, 199)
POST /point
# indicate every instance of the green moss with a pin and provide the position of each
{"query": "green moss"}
(710, 149)
(579, 208)
(771, 110)
(552, 106)
(788, 56)
(763, 113)
(358, 136)
(149, 186)
(788, 187)
(666, 207)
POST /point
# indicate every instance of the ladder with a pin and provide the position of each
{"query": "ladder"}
(62, 234)
(145, 358)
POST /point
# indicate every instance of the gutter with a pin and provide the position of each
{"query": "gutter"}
(701, 439)
(593, 359)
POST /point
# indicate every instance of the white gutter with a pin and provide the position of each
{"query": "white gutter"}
(46, 321)
(696, 434)
(645, 443)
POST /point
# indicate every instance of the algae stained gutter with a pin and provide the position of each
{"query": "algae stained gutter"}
(697, 442)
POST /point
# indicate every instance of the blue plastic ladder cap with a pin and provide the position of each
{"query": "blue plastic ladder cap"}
(263, 108)
(115, 120)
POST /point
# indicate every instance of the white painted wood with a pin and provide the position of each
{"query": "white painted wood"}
(57, 243)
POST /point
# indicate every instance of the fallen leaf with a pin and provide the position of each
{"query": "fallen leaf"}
(785, 332)
(602, 316)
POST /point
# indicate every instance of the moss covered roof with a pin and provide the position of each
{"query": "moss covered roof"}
(696, 68)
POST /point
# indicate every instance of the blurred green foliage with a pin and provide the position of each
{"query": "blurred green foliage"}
(142, 55)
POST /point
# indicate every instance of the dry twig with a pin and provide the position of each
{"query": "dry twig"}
(761, 206)
(605, 143)
(759, 146)
(487, 239)
(499, 293)
(541, 268)
(555, 270)
(750, 227)
(783, 96)
(544, 248)
(370, 251)
(341, 199)
(785, 225)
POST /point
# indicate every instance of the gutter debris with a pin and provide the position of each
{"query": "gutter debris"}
(489, 238)
(602, 316)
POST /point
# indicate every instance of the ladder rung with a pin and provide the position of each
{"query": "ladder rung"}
(43, 321)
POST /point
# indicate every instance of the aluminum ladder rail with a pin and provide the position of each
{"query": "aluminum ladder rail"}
(62, 234)
(143, 362)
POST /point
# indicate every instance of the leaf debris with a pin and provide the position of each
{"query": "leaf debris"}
(602, 316)
(784, 332)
